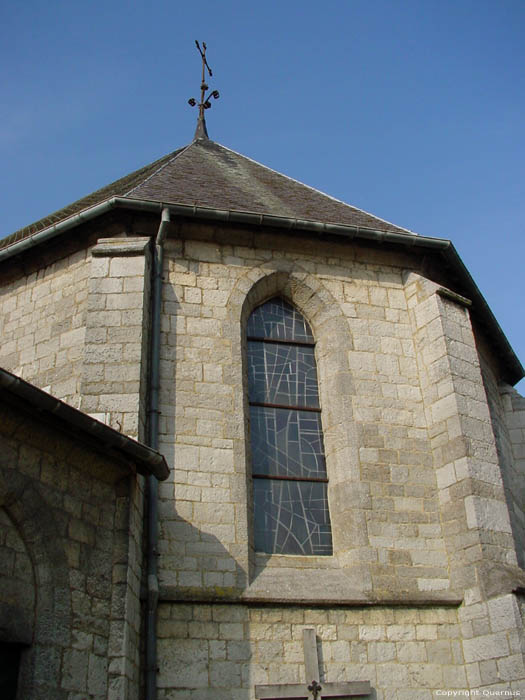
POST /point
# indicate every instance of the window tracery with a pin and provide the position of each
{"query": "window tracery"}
(288, 463)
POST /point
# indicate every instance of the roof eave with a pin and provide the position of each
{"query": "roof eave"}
(438, 245)
(224, 215)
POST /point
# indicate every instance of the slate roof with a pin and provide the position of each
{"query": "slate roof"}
(115, 189)
(210, 175)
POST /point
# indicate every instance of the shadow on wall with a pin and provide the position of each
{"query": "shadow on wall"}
(17, 605)
(204, 649)
(210, 649)
(35, 606)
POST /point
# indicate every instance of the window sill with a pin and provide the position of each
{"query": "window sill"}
(315, 578)
(332, 585)
(293, 561)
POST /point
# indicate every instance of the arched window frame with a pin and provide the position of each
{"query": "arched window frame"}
(302, 526)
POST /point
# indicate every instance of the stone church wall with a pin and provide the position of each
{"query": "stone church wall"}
(384, 504)
(417, 499)
(417, 496)
(42, 318)
(222, 652)
(507, 411)
(473, 508)
(17, 585)
(114, 374)
(79, 329)
(514, 417)
(493, 643)
(74, 529)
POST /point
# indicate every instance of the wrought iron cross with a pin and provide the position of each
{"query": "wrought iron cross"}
(205, 100)
(312, 690)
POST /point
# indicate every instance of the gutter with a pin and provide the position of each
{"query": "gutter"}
(152, 494)
(146, 460)
(224, 215)
(481, 310)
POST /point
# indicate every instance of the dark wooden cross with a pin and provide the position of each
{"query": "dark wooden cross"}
(312, 689)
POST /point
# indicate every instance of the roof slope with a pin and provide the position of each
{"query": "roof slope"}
(115, 189)
(210, 175)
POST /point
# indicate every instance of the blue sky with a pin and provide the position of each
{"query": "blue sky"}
(412, 110)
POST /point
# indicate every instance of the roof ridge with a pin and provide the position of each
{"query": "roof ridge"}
(314, 189)
(175, 155)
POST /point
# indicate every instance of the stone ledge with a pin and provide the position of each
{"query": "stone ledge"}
(453, 296)
(178, 594)
(501, 579)
(107, 247)
(294, 561)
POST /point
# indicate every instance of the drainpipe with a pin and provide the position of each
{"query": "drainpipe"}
(152, 483)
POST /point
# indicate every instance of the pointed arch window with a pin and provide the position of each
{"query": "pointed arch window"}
(288, 463)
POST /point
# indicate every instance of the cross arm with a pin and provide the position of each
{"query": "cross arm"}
(345, 690)
(292, 691)
(298, 691)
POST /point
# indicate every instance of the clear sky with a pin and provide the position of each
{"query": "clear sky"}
(410, 109)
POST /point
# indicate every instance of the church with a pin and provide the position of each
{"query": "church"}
(255, 443)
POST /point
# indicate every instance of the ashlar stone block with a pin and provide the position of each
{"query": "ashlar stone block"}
(485, 647)
(487, 513)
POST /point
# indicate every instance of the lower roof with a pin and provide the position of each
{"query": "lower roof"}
(14, 390)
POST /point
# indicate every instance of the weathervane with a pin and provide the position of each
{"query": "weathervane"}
(201, 131)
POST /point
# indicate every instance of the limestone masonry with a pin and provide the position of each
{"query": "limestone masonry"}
(423, 435)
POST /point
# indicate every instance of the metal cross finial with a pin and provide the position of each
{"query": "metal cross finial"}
(205, 103)
(315, 689)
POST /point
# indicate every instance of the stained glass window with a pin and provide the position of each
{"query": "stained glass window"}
(288, 463)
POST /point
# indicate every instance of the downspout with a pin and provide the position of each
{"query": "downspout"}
(152, 483)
